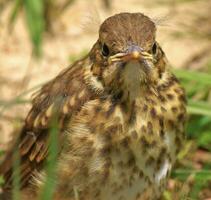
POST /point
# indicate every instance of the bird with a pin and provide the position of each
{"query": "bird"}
(120, 115)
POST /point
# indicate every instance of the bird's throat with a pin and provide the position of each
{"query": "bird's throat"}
(133, 80)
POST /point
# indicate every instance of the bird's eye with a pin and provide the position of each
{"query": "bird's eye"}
(105, 50)
(154, 48)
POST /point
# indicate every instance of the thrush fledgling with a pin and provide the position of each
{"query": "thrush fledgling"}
(121, 116)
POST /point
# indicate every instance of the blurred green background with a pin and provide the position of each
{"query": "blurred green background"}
(41, 37)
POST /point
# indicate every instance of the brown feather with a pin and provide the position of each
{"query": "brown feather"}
(48, 102)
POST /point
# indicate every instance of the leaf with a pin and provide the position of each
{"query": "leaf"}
(197, 125)
(183, 174)
(35, 22)
(16, 176)
(17, 6)
(205, 140)
(199, 108)
(199, 77)
(51, 165)
(1, 180)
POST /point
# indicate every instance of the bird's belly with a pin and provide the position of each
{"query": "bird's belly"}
(137, 172)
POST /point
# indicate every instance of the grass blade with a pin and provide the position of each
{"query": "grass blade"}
(199, 108)
(16, 176)
(199, 77)
(36, 22)
(51, 167)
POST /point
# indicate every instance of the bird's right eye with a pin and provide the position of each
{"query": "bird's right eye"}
(105, 50)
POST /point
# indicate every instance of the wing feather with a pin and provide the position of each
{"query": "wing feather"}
(61, 97)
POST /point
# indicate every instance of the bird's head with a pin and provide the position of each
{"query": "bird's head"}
(127, 56)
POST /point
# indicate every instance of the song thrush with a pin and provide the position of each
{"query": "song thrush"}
(121, 116)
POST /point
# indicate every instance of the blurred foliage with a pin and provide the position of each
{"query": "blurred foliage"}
(1, 180)
(40, 16)
(51, 164)
(198, 89)
(16, 176)
(34, 12)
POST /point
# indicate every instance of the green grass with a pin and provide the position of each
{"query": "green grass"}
(198, 87)
(16, 176)
(51, 164)
(34, 12)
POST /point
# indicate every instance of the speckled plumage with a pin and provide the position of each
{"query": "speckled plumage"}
(121, 119)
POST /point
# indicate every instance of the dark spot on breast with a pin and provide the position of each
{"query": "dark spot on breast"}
(149, 127)
(143, 129)
(154, 143)
(182, 107)
(110, 110)
(120, 164)
(151, 101)
(131, 161)
(92, 128)
(105, 151)
(162, 98)
(132, 117)
(182, 98)
(145, 108)
(112, 129)
(162, 133)
(138, 196)
(99, 78)
(97, 109)
(132, 114)
(134, 134)
(97, 194)
(124, 107)
(150, 160)
(170, 96)
(125, 142)
(163, 151)
(174, 109)
(144, 143)
(178, 143)
(153, 112)
(161, 122)
(135, 170)
(181, 117)
(171, 123)
(141, 174)
(177, 90)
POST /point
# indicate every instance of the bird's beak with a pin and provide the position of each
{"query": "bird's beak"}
(133, 53)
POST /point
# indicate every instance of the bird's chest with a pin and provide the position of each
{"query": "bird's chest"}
(141, 160)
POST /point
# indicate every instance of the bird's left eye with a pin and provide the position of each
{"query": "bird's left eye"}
(105, 50)
(154, 48)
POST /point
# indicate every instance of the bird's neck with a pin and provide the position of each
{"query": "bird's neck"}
(133, 84)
